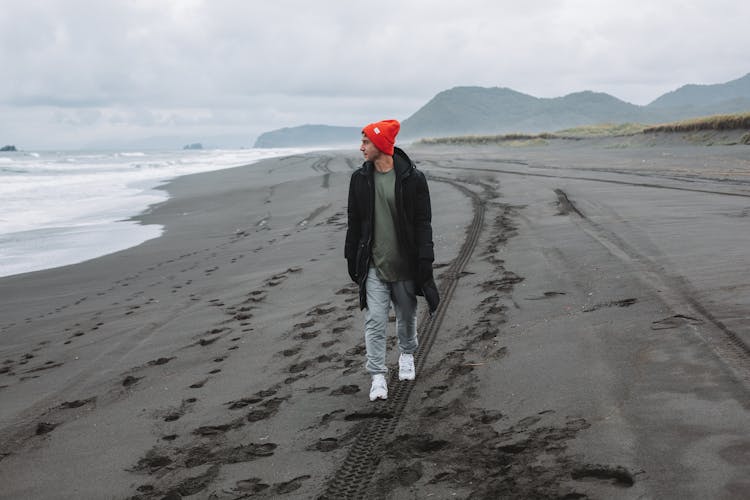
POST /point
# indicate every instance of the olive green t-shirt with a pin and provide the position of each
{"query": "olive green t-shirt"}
(389, 263)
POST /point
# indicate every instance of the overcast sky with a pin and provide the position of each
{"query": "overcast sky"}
(78, 72)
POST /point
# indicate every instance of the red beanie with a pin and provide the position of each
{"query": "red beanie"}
(383, 134)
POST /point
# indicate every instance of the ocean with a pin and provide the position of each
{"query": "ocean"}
(61, 208)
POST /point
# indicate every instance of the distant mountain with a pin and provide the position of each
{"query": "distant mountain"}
(468, 110)
(309, 135)
(705, 95)
(481, 110)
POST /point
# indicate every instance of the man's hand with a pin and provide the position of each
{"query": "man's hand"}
(424, 271)
(352, 266)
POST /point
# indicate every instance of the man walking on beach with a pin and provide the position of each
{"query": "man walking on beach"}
(389, 248)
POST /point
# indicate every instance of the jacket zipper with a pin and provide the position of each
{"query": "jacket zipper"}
(368, 243)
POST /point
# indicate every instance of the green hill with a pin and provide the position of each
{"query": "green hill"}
(478, 110)
(469, 110)
(473, 110)
(499, 110)
(706, 95)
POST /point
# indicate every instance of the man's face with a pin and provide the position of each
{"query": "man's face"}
(370, 152)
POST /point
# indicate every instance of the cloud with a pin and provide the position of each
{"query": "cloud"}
(151, 63)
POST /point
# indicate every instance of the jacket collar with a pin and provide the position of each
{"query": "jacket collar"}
(401, 163)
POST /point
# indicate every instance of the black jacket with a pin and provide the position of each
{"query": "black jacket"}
(414, 226)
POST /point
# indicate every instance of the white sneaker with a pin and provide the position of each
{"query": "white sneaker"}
(379, 389)
(406, 367)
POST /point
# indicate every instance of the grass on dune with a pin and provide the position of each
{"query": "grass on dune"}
(738, 121)
(603, 130)
(715, 122)
(487, 139)
(600, 130)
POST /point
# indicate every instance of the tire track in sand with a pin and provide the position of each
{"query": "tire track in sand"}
(352, 479)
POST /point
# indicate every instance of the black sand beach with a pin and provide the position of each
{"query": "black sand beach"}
(592, 341)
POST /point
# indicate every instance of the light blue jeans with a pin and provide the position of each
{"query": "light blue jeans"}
(380, 294)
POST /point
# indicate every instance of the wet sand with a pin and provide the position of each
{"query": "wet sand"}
(592, 340)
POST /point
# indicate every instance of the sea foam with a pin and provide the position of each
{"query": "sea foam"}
(60, 208)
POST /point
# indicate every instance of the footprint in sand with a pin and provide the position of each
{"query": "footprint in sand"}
(345, 390)
(307, 335)
(175, 414)
(242, 316)
(289, 486)
(68, 405)
(487, 333)
(328, 418)
(300, 367)
(304, 324)
(244, 402)
(257, 296)
(486, 416)
(321, 310)
(207, 341)
(45, 428)
(160, 361)
(619, 476)
(325, 444)
(614, 303)
(254, 486)
(675, 321)
(436, 391)
(266, 410)
(200, 384)
(314, 389)
(546, 295)
(130, 381)
(356, 351)
(290, 352)
(212, 430)
(352, 366)
(250, 486)
(152, 462)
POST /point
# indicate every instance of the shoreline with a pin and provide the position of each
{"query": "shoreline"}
(225, 358)
(89, 211)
